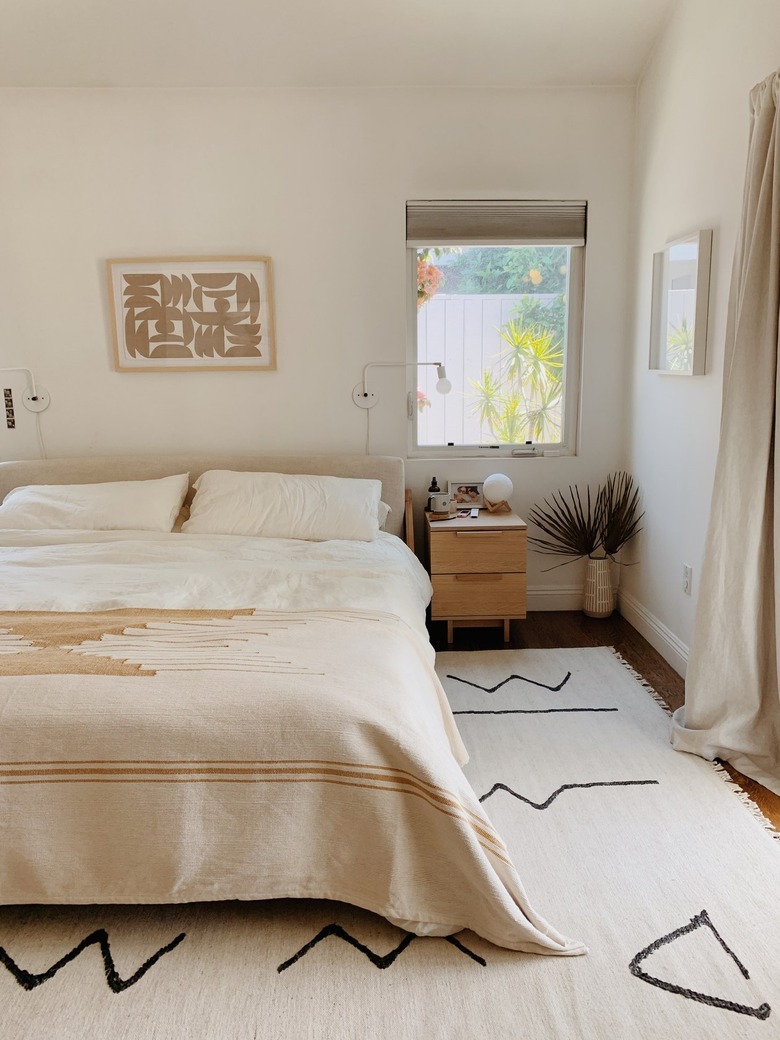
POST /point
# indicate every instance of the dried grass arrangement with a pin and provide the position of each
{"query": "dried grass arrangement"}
(587, 525)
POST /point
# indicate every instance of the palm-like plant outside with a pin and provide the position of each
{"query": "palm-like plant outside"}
(523, 400)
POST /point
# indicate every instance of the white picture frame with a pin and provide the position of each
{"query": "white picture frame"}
(680, 305)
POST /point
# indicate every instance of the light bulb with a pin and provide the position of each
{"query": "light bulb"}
(444, 385)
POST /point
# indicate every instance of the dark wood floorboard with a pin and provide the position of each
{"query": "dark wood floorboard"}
(552, 629)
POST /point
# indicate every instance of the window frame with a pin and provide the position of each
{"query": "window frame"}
(570, 426)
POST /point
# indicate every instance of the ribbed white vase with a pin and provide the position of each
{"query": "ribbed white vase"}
(599, 596)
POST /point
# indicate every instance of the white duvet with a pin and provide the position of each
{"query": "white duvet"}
(106, 570)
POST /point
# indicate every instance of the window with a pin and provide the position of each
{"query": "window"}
(497, 288)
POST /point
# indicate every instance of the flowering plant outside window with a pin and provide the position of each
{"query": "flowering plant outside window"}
(423, 401)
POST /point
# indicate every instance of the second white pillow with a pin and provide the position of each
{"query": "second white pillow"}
(282, 505)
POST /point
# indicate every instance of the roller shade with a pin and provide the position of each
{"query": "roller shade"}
(496, 223)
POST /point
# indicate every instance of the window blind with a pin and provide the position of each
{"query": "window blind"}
(501, 222)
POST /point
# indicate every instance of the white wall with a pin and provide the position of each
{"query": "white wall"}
(318, 181)
(692, 131)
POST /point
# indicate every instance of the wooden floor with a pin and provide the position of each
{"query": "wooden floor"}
(572, 628)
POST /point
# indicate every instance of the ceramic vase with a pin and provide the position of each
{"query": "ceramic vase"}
(599, 596)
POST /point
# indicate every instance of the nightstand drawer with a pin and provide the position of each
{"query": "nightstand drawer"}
(478, 595)
(465, 552)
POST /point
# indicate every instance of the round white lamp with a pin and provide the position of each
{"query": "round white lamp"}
(496, 491)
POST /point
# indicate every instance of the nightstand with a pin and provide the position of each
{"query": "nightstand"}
(478, 569)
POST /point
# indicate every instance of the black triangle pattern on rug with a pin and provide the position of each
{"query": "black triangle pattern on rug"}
(378, 960)
(509, 678)
(701, 920)
(564, 787)
(28, 980)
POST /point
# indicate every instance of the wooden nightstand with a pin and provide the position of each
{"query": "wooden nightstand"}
(478, 569)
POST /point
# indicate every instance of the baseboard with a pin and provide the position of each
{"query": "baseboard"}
(672, 649)
(555, 597)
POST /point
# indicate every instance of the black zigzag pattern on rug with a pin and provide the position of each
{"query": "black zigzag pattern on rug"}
(378, 960)
(701, 920)
(522, 711)
(529, 711)
(29, 980)
(564, 787)
(509, 678)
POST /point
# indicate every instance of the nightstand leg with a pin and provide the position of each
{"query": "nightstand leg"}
(450, 628)
(506, 630)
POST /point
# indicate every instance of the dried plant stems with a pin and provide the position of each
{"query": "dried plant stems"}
(572, 529)
(620, 522)
(598, 527)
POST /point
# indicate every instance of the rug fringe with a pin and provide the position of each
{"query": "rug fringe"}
(723, 773)
(744, 797)
(642, 682)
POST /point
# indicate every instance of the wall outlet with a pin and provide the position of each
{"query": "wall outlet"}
(8, 397)
(687, 580)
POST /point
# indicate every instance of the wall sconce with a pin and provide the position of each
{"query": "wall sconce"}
(365, 398)
(36, 399)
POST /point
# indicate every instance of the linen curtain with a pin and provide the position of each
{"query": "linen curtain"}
(732, 696)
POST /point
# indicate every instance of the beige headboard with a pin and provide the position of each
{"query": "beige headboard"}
(386, 468)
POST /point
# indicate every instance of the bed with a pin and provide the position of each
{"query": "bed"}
(190, 716)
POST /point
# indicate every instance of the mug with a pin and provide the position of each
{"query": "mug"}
(440, 503)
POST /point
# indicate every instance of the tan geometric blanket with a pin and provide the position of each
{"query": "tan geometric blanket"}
(174, 756)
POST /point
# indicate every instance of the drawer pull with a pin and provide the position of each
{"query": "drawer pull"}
(479, 577)
(478, 534)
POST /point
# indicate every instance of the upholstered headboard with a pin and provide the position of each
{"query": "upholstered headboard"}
(386, 468)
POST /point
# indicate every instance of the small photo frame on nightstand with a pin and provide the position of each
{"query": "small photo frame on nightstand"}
(465, 493)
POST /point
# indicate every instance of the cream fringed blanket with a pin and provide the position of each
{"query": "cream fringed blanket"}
(644, 852)
(176, 756)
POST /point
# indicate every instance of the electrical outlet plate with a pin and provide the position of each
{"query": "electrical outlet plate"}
(687, 580)
(10, 418)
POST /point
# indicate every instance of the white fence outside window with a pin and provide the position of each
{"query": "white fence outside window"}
(463, 331)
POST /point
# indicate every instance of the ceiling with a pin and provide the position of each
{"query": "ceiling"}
(326, 43)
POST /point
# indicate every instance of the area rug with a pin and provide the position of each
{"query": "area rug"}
(646, 854)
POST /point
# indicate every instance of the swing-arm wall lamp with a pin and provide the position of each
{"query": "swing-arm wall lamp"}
(365, 398)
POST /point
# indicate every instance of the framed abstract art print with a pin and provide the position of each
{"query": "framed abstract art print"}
(185, 313)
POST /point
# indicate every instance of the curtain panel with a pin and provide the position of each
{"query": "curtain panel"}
(732, 697)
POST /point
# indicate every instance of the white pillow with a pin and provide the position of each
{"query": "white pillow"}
(282, 505)
(382, 514)
(129, 505)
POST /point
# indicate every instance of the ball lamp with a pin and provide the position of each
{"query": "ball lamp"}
(497, 490)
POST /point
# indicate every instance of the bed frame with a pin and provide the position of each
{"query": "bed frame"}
(388, 469)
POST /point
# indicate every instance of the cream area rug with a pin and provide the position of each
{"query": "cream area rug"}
(646, 854)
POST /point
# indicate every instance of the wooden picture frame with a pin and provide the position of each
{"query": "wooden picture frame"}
(179, 314)
(680, 305)
(465, 493)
